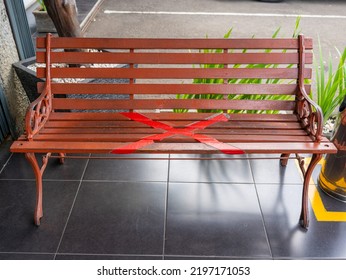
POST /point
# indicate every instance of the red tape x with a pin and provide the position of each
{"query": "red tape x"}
(169, 131)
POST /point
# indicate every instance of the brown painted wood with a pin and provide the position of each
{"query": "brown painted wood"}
(89, 88)
(174, 148)
(87, 116)
(178, 124)
(170, 73)
(137, 104)
(131, 137)
(139, 130)
(145, 43)
(173, 58)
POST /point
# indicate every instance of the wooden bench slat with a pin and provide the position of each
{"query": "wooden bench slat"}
(173, 148)
(168, 73)
(87, 116)
(130, 137)
(90, 88)
(240, 131)
(147, 104)
(173, 58)
(178, 124)
(144, 43)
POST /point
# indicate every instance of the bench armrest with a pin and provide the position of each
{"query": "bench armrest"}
(310, 114)
(38, 112)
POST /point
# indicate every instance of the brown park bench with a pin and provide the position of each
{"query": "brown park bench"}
(237, 114)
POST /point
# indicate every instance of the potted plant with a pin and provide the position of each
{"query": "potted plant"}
(44, 23)
(330, 88)
(332, 178)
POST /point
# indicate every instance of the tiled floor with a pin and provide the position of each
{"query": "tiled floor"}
(162, 209)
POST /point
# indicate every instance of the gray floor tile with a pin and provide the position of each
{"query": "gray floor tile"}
(214, 220)
(281, 206)
(17, 202)
(125, 220)
(19, 168)
(127, 170)
(234, 171)
(106, 257)
(214, 258)
(4, 152)
(18, 256)
(270, 171)
(117, 218)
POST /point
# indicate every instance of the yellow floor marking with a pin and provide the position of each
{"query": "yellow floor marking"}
(321, 213)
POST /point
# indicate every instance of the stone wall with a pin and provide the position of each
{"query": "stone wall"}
(14, 92)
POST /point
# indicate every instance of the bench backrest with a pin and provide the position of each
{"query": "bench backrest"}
(198, 74)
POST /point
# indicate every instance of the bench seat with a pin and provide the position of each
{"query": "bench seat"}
(105, 132)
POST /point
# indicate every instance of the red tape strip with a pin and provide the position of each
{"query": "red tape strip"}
(170, 131)
(131, 148)
(223, 147)
(143, 119)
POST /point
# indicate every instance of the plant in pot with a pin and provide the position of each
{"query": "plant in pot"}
(44, 23)
(332, 178)
(330, 88)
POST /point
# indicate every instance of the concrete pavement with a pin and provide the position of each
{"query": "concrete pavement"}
(199, 18)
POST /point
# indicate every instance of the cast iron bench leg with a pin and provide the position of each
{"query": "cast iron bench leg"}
(284, 159)
(304, 215)
(62, 158)
(38, 175)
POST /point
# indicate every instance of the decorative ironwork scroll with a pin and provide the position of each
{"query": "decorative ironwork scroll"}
(38, 113)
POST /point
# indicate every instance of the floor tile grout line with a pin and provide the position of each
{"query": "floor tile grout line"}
(77, 180)
(213, 182)
(27, 253)
(218, 257)
(11, 179)
(260, 207)
(140, 181)
(71, 209)
(124, 181)
(108, 254)
(5, 164)
(166, 209)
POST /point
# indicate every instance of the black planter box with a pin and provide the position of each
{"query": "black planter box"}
(27, 77)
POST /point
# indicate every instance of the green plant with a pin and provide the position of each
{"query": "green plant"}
(42, 5)
(239, 81)
(330, 86)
